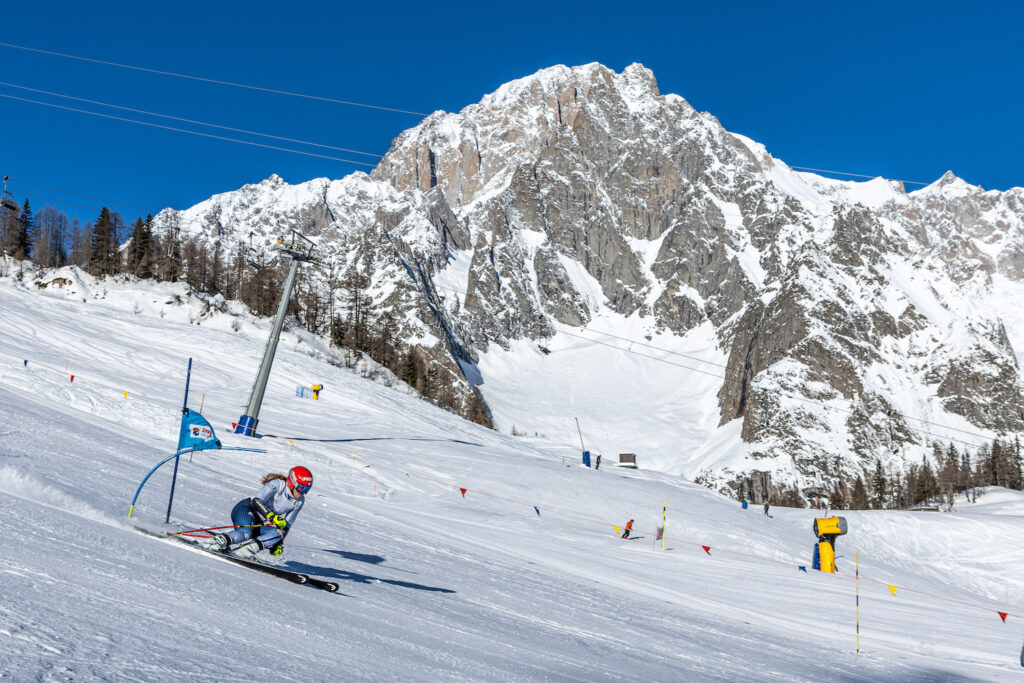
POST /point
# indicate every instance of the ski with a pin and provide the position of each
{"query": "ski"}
(294, 577)
(324, 585)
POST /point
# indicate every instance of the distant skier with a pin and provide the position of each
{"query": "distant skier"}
(597, 465)
(266, 518)
(766, 510)
(628, 528)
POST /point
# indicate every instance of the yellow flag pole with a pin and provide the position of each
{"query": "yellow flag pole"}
(664, 507)
(353, 460)
(857, 556)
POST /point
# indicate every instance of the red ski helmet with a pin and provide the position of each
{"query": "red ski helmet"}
(300, 479)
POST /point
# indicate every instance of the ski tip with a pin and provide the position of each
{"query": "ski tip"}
(330, 587)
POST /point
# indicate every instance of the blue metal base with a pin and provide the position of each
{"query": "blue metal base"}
(246, 425)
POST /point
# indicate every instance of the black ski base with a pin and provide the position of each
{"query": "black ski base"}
(294, 577)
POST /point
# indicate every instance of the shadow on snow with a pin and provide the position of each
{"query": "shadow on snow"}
(354, 577)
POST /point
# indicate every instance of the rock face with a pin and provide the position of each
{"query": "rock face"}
(577, 192)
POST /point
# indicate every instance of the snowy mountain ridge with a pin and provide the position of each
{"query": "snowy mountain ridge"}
(512, 238)
(461, 552)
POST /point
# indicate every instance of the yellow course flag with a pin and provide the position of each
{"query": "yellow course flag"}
(892, 588)
(126, 395)
(617, 529)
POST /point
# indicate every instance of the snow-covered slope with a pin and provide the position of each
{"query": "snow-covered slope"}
(523, 578)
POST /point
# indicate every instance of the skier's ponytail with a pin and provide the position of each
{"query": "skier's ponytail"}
(272, 476)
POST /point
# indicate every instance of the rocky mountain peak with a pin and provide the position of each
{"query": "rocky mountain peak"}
(950, 185)
(579, 198)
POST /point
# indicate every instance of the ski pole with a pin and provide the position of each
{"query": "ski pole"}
(206, 536)
(214, 528)
(240, 545)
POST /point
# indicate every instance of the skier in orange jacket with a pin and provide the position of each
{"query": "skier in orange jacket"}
(629, 527)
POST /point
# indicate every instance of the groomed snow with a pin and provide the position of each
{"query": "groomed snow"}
(434, 585)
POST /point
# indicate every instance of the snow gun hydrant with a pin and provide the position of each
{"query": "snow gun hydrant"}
(827, 529)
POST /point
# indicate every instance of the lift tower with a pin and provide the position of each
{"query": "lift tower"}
(300, 249)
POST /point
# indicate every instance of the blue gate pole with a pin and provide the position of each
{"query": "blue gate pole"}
(184, 411)
(171, 499)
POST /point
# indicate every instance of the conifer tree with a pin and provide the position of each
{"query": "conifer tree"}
(879, 486)
(966, 480)
(191, 261)
(103, 245)
(215, 272)
(10, 228)
(410, 371)
(26, 231)
(859, 498)
(16, 228)
(909, 486)
(382, 346)
(140, 255)
(926, 486)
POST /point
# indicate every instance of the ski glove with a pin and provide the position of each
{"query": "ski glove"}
(277, 520)
(277, 550)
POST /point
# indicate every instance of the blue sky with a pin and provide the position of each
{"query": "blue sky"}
(903, 90)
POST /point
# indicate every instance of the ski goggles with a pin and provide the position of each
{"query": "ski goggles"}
(297, 486)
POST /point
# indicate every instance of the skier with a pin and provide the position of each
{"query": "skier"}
(598, 465)
(766, 510)
(277, 503)
(629, 527)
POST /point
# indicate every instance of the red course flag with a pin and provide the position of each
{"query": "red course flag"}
(1002, 615)
(707, 549)
(463, 492)
(72, 378)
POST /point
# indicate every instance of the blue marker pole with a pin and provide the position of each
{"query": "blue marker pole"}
(184, 412)
(135, 498)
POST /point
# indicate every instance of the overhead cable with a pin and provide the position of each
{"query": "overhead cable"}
(329, 99)
(190, 132)
(76, 194)
(213, 80)
(855, 175)
(184, 120)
